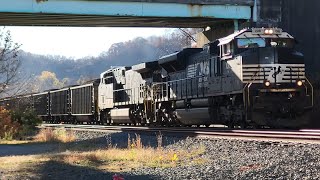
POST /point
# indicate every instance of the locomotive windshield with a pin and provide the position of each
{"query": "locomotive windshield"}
(265, 42)
(251, 43)
(282, 42)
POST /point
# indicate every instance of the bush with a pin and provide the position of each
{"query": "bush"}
(17, 124)
(8, 128)
(28, 121)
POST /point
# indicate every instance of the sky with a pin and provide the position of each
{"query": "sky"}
(75, 42)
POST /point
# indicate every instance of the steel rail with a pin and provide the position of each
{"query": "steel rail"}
(304, 135)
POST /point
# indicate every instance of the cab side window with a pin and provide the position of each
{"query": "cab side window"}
(227, 50)
(108, 80)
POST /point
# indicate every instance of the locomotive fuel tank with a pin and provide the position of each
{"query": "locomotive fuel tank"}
(194, 116)
(121, 116)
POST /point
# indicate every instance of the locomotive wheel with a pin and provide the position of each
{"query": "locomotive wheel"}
(231, 124)
(243, 125)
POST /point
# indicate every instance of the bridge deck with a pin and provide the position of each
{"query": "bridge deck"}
(154, 13)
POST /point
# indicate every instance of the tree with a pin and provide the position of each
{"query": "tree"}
(48, 80)
(9, 61)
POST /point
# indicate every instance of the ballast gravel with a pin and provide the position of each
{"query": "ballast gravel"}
(234, 159)
(221, 159)
(227, 159)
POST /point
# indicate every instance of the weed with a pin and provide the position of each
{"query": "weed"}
(129, 142)
(159, 140)
(138, 142)
(135, 142)
(109, 141)
(57, 135)
(64, 136)
(174, 158)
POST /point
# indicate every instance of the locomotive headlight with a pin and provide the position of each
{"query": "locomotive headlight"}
(267, 83)
(268, 31)
(299, 83)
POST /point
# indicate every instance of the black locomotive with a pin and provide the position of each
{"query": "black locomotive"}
(253, 77)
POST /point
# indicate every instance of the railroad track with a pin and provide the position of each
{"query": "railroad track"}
(299, 136)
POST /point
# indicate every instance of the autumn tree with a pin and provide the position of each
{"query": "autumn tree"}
(9, 61)
(48, 80)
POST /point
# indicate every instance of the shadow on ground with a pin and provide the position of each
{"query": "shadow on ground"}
(59, 170)
(118, 139)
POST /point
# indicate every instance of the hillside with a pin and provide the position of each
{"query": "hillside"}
(48, 72)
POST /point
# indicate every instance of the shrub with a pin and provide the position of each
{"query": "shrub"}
(28, 121)
(17, 124)
(8, 127)
(27, 117)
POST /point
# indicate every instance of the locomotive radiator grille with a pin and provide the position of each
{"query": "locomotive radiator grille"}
(275, 73)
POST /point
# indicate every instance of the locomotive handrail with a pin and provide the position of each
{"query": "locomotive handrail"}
(312, 100)
(167, 83)
(179, 80)
(247, 86)
(124, 89)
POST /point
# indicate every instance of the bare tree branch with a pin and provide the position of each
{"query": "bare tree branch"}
(9, 61)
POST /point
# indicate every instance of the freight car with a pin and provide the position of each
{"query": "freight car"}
(41, 106)
(21, 102)
(253, 77)
(74, 104)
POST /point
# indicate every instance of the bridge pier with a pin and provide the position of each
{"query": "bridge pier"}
(236, 24)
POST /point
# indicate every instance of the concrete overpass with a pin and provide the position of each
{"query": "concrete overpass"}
(124, 13)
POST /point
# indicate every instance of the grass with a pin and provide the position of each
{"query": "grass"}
(15, 142)
(110, 158)
(134, 156)
(55, 135)
(14, 162)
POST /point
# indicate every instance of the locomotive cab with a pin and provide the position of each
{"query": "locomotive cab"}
(110, 80)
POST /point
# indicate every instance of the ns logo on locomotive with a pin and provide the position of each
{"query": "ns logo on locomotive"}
(253, 77)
